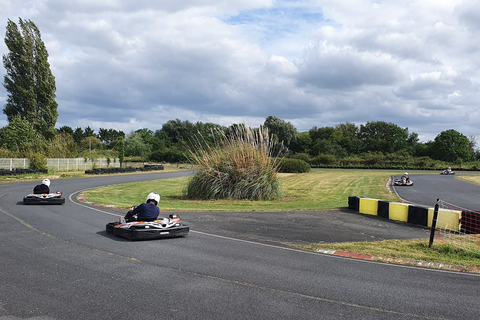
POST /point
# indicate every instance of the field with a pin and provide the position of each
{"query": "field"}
(317, 190)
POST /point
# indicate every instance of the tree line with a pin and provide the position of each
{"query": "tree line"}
(32, 114)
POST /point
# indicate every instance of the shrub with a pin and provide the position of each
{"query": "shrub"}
(293, 166)
(324, 159)
(37, 161)
(240, 166)
(302, 156)
(171, 155)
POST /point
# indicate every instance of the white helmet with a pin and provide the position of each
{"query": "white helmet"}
(46, 182)
(153, 196)
(405, 174)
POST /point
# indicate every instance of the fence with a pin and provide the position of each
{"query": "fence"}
(61, 164)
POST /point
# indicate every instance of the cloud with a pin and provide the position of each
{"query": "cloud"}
(129, 65)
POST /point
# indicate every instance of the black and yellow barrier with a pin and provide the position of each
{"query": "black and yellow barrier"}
(415, 214)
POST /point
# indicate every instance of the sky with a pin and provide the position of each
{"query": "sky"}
(129, 65)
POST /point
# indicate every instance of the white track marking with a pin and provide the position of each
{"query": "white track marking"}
(284, 248)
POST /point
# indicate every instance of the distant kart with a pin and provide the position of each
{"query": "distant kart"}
(446, 172)
(403, 182)
(170, 227)
(44, 198)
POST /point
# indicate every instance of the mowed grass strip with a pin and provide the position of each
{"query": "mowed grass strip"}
(319, 189)
(409, 252)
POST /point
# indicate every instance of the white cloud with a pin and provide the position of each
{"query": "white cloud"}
(138, 64)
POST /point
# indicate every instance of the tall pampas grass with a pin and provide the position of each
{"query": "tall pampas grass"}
(240, 164)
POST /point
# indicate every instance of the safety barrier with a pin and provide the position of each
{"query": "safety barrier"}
(415, 214)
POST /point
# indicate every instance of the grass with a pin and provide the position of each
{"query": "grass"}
(241, 165)
(54, 175)
(471, 178)
(316, 190)
(408, 252)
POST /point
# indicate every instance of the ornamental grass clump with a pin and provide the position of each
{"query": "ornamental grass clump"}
(239, 165)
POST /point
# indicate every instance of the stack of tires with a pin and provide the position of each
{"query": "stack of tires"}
(20, 171)
(147, 167)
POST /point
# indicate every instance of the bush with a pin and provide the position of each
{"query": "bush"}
(293, 166)
(37, 161)
(328, 159)
(240, 166)
(302, 156)
(171, 155)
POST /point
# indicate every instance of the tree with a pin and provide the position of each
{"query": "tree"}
(17, 133)
(66, 130)
(281, 131)
(450, 145)
(90, 143)
(121, 150)
(29, 81)
(135, 146)
(62, 146)
(108, 136)
(383, 137)
(89, 132)
(179, 131)
(78, 135)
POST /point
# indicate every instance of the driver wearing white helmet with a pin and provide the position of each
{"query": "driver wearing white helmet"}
(42, 188)
(147, 211)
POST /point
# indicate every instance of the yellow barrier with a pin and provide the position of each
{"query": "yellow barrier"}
(368, 206)
(447, 219)
(398, 211)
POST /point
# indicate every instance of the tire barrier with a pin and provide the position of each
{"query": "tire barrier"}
(147, 167)
(19, 171)
(453, 220)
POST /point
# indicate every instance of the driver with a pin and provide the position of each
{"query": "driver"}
(147, 211)
(405, 177)
(42, 188)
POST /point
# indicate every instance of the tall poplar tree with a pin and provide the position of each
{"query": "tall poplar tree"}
(29, 81)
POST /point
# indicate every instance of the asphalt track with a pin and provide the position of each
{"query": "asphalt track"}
(427, 188)
(58, 262)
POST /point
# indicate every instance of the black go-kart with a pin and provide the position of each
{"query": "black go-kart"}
(403, 182)
(170, 227)
(44, 198)
(447, 172)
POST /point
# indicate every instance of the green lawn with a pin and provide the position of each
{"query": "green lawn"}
(319, 189)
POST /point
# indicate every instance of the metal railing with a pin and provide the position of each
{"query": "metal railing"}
(61, 164)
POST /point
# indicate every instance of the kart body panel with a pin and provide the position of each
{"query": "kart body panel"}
(401, 182)
(44, 198)
(445, 172)
(146, 230)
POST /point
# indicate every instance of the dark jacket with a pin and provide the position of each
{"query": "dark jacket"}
(41, 188)
(144, 212)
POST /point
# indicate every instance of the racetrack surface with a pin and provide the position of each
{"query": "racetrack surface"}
(427, 188)
(58, 262)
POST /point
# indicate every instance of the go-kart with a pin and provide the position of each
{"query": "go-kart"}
(447, 172)
(144, 230)
(403, 182)
(44, 198)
